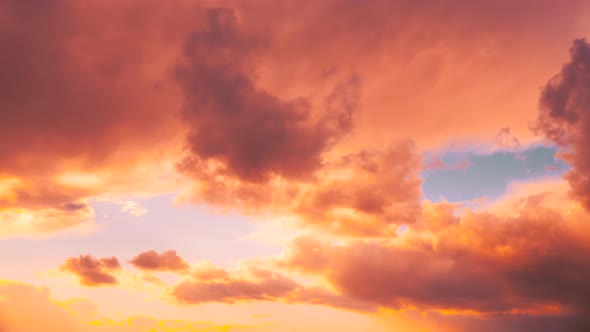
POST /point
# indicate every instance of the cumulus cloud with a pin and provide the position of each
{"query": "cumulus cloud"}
(369, 193)
(533, 262)
(92, 271)
(366, 193)
(520, 265)
(165, 261)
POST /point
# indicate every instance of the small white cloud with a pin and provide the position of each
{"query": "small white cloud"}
(127, 206)
(133, 208)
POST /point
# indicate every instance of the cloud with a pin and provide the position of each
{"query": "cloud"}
(369, 193)
(80, 315)
(533, 262)
(23, 222)
(165, 261)
(251, 133)
(564, 116)
(62, 94)
(94, 103)
(127, 206)
(133, 208)
(69, 104)
(216, 285)
(366, 193)
(418, 76)
(73, 103)
(505, 139)
(97, 97)
(92, 272)
(523, 261)
(16, 301)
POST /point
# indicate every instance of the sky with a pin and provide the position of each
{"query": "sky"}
(260, 166)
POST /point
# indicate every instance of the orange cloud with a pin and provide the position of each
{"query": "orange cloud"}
(16, 303)
(164, 261)
(476, 261)
(91, 271)
(17, 299)
(216, 285)
(25, 222)
(367, 193)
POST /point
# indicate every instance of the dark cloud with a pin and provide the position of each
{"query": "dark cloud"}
(58, 101)
(91, 271)
(565, 116)
(249, 131)
(74, 206)
(511, 322)
(78, 94)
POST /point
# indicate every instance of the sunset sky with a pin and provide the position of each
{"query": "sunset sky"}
(262, 166)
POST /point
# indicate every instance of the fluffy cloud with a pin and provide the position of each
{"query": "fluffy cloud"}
(533, 262)
(164, 261)
(366, 193)
(369, 193)
(91, 271)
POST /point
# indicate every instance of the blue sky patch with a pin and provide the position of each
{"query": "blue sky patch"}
(460, 176)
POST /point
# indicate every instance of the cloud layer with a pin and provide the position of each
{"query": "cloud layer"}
(313, 116)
